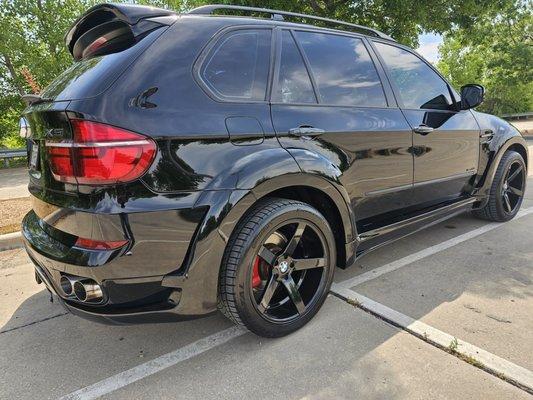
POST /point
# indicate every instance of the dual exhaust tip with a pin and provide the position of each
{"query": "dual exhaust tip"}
(83, 289)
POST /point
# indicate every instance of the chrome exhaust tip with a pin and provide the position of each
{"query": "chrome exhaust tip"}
(66, 285)
(87, 290)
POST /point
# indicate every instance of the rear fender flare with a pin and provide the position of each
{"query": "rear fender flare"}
(199, 277)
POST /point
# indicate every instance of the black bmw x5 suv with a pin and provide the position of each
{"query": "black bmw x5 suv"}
(186, 163)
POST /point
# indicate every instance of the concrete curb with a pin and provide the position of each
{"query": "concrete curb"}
(11, 241)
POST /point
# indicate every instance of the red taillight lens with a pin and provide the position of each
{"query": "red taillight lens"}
(100, 155)
(99, 245)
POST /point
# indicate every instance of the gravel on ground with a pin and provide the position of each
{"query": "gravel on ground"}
(11, 213)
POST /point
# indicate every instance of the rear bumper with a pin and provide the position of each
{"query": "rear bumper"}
(133, 277)
(149, 314)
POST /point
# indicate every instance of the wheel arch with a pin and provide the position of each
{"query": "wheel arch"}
(522, 150)
(329, 199)
(326, 206)
(497, 149)
(226, 208)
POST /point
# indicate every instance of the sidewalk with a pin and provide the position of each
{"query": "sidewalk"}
(14, 183)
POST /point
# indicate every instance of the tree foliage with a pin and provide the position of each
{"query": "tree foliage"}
(497, 53)
(33, 53)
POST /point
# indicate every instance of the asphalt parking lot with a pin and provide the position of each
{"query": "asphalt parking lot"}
(446, 313)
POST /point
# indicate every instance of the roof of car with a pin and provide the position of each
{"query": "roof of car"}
(278, 16)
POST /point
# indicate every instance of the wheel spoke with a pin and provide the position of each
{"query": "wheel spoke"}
(269, 292)
(294, 294)
(515, 174)
(295, 239)
(516, 191)
(308, 263)
(507, 202)
(267, 255)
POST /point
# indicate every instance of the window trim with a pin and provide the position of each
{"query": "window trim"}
(395, 88)
(217, 39)
(307, 63)
(387, 90)
(275, 81)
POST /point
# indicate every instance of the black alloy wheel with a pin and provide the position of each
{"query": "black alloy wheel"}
(507, 190)
(278, 267)
(288, 277)
(512, 190)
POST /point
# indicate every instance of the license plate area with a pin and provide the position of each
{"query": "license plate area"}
(34, 156)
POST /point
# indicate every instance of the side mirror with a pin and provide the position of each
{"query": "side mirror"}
(471, 96)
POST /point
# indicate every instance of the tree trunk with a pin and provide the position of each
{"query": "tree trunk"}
(13, 73)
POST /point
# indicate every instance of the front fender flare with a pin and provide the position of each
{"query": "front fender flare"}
(496, 150)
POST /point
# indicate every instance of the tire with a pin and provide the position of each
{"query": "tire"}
(274, 275)
(507, 190)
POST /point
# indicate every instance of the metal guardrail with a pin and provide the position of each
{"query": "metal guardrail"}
(521, 116)
(9, 154)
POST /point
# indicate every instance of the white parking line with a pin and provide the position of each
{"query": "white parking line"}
(513, 373)
(402, 262)
(158, 364)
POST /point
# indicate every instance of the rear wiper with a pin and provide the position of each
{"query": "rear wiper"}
(31, 99)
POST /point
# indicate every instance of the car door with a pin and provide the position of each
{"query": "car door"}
(330, 106)
(446, 140)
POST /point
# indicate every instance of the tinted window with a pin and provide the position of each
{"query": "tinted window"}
(90, 77)
(238, 66)
(294, 84)
(419, 85)
(343, 69)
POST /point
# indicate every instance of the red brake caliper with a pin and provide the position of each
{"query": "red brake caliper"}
(256, 278)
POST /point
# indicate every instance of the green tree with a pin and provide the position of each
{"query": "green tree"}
(497, 53)
(31, 42)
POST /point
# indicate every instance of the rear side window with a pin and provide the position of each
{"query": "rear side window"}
(294, 84)
(237, 67)
(343, 70)
(418, 84)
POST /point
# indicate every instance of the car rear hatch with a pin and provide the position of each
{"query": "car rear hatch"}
(103, 42)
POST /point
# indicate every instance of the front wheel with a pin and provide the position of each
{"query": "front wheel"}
(277, 268)
(507, 190)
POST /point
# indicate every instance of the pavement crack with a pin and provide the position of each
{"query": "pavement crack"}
(33, 323)
(499, 319)
(472, 308)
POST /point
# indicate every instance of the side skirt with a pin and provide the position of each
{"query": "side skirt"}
(374, 239)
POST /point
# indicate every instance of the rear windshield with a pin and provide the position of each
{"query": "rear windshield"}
(90, 77)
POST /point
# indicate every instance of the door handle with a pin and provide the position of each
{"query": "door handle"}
(488, 134)
(306, 131)
(423, 130)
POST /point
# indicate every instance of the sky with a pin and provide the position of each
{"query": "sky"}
(429, 46)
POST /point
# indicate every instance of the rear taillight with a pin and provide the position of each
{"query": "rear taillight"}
(100, 154)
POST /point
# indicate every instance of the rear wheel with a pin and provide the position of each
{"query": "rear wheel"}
(507, 191)
(277, 268)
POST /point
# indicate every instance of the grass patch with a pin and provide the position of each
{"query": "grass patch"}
(353, 302)
(14, 163)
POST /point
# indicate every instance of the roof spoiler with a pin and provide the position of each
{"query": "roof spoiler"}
(124, 14)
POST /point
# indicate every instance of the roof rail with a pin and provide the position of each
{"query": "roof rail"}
(278, 16)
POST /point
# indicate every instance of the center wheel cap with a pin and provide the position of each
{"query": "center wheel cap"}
(283, 267)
